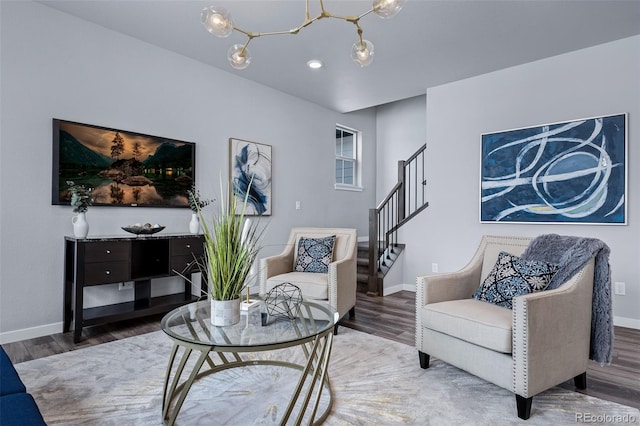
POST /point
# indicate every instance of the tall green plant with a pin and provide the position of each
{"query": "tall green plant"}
(231, 247)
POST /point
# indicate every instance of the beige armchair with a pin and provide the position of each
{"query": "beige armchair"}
(542, 342)
(338, 286)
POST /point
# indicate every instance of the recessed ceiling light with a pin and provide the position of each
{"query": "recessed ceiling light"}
(314, 64)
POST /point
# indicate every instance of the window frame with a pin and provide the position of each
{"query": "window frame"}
(357, 160)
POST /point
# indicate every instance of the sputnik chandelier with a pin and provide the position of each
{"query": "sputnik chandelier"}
(219, 23)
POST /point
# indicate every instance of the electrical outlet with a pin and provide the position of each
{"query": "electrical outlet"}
(125, 286)
(620, 289)
(434, 267)
(297, 205)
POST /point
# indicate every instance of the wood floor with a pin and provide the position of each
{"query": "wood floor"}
(391, 317)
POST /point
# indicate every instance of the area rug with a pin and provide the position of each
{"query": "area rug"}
(375, 382)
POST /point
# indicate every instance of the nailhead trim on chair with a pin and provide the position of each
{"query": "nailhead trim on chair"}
(524, 391)
(333, 286)
(419, 297)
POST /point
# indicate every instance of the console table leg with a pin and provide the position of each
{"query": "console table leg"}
(68, 310)
(78, 317)
(77, 333)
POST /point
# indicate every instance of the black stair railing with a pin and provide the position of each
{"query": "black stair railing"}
(405, 200)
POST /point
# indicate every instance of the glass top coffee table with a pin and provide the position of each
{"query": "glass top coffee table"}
(221, 348)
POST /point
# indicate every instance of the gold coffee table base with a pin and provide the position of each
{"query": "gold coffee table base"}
(309, 389)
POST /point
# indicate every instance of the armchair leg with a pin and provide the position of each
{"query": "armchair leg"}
(335, 330)
(352, 313)
(524, 406)
(424, 360)
(580, 381)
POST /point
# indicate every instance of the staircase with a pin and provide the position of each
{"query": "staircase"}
(405, 201)
(363, 265)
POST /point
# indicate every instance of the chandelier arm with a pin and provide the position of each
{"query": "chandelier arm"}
(360, 34)
(244, 47)
(344, 18)
(295, 30)
(306, 23)
(247, 33)
(322, 9)
(366, 13)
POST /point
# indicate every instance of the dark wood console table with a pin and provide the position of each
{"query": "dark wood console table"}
(108, 260)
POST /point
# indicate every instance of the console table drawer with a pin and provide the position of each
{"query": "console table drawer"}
(190, 246)
(106, 251)
(106, 272)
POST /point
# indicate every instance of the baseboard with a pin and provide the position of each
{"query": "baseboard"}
(30, 333)
(399, 287)
(363, 239)
(626, 322)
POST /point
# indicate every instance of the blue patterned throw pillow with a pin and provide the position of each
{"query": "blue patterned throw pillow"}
(315, 254)
(512, 276)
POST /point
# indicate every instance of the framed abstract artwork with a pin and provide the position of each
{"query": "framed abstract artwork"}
(250, 172)
(574, 172)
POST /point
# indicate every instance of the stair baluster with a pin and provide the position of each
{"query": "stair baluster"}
(403, 202)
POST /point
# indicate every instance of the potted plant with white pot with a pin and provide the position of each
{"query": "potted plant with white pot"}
(232, 243)
(80, 201)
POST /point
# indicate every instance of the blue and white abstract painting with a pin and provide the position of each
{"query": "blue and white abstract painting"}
(571, 172)
(250, 168)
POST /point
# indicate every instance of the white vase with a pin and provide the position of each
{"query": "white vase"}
(80, 225)
(194, 225)
(225, 312)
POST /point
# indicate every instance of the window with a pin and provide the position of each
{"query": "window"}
(347, 170)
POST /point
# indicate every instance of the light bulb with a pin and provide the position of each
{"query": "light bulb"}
(217, 21)
(362, 52)
(387, 8)
(239, 57)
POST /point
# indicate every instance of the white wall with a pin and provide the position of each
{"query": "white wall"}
(601, 80)
(55, 65)
(401, 130)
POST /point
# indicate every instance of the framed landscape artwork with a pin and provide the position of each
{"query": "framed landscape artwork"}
(250, 171)
(122, 168)
(569, 172)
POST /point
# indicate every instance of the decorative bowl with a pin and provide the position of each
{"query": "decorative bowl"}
(143, 230)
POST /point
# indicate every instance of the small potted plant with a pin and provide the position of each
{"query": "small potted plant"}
(196, 203)
(231, 246)
(80, 201)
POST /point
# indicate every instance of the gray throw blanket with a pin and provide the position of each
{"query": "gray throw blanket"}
(571, 254)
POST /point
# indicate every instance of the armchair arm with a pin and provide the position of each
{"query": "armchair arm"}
(275, 265)
(551, 334)
(450, 286)
(342, 282)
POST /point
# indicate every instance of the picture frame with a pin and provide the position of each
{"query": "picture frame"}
(250, 166)
(121, 167)
(571, 172)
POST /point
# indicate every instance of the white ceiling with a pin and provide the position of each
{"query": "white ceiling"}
(427, 44)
